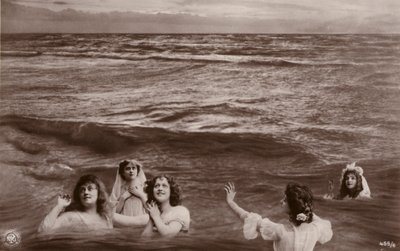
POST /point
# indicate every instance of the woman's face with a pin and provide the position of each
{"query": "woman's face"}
(130, 172)
(162, 190)
(351, 181)
(284, 205)
(88, 194)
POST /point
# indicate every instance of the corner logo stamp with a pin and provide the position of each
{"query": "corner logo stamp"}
(11, 239)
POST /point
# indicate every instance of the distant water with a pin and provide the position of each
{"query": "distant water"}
(259, 110)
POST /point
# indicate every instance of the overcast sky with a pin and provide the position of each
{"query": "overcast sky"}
(331, 15)
(319, 9)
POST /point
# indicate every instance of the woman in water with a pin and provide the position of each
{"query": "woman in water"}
(304, 230)
(168, 217)
(87, 211)
(353, 184)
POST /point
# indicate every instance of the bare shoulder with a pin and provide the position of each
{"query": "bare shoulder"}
(181, 210)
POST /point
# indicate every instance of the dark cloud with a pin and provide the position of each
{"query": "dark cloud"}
(60, 3)
(17, 18)
(256, 4)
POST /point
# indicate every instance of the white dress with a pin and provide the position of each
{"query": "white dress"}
(73, 221)
(133, 206)
(297, 238)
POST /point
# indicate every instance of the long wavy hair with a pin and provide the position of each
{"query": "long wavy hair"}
(300, 200)
(102, 204)
(175, 198)
(124, 163)
(352, 193)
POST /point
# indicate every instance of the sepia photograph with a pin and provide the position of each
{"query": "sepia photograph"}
(200, 125)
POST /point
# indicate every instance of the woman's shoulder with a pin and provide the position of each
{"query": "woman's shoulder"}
(70, 214)
(320, 223)
(181, 210)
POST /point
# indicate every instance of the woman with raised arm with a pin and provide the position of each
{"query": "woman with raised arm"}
(304, 230)
(88, 210)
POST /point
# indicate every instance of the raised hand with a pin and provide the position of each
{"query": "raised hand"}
(230, 192)
(153, 209)
(64, 200)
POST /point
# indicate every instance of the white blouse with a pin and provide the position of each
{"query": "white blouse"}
(73, 221)
(297, 238)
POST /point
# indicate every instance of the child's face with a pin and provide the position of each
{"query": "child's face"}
(351, 181)
(130, 172)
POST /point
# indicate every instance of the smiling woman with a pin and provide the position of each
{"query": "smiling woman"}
(353, 184)
(168, 217)
(88, 209)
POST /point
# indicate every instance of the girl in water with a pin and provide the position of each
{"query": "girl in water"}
(353, 184)
(128, 195)
(305, 228)
(88, 210)
(168, 217)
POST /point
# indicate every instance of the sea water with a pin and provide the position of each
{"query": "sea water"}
(257, 110)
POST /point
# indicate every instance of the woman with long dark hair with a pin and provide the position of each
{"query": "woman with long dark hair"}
(87, 210)
(305, 228)
(168, 217)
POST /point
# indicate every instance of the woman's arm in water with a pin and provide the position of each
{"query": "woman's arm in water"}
(52, 219)
(230, 196)
(148, 229)
(130, 221)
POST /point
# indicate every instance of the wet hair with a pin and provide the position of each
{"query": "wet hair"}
(102, 204)
(352, 193)
(175, 198)
(299, 200)
(124, 163)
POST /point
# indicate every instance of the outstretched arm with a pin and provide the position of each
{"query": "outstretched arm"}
(230, 196)
(52, 219)
(130, 221)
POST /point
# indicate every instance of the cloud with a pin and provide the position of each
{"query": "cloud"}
(19, 18)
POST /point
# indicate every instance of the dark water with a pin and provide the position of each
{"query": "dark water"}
(259, 110)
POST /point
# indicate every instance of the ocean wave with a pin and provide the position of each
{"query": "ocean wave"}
(24, 144)
(20, 53)
(186, 56)
(113, 138)
(222, 108)
(50, 171)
